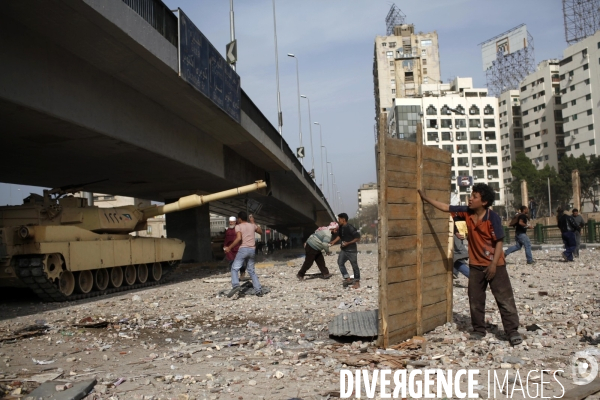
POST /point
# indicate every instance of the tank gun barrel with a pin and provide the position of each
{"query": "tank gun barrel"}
(195, 200)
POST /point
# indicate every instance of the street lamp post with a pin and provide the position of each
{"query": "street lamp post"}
(331, 173)
(299, 114)
(326, 170)
(321, 151)
(231, 27)
(279, 114)
(312, 155)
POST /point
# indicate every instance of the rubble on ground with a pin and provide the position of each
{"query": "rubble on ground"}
(184, 340)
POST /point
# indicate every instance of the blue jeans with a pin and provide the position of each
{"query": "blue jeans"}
(521, 239)
(244, 254)
(570, 244)
(352, 257)
(460, 266)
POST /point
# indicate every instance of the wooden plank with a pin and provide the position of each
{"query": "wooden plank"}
(408, 257)
(406, 228)
(400, 164)
(435, 309)
(403, 334)
(382, 217)
(402, 195)
(434, 296)
(434, 282)
(437, 169)
(434, 268)
(402, 179)
(400, 147)
(402, 305)
(403, 320)
(399, 290)
(401, 211)
(449, 267)
(432, 323)
(401, 274)
(436, 154)
(435, 241)
(419, 235)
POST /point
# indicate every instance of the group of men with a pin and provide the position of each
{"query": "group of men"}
(239, 247)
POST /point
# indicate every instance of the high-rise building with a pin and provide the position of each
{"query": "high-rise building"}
(367, 195)
(460, 119)
(402, 62)
(580, 91)
(542, 115)
(511, 131)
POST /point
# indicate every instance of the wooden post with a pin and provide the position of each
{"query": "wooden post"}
(524, 194)
(419, 230)
(382, 242)
(450, 269)
(576, 189)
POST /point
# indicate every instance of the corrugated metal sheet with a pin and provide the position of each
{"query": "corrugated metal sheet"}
(362, 323)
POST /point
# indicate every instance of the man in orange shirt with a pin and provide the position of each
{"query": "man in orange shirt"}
(486, 261)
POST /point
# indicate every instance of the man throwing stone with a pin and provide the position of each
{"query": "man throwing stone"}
(348, 235)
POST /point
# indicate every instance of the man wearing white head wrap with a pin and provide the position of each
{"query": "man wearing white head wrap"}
(316, 243)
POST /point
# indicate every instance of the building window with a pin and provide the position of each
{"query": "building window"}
(573, 102)
(589, 112)
(392, 44)
(572, 88)
(585, 67)
(391, 63)
(527, 149)
(543, 119)
(537, 134)
(571, 73)
(587, 81)
(431, 110)
(537, 121)
(592, 142)
(545, 144)
(389, 54)
(393, 91)
(474, 110)
(446, 137)
(566, 119)
(526, 125)
(576, 146)
(448, 147)
(588, 96)
(424, 61)
(149, 230)
(525, 112)
(575, 131)
(574, 116)
(590, 127)
(488, 110)
(384, 44)
(523, 88)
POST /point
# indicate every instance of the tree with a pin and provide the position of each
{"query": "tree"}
(366, 220)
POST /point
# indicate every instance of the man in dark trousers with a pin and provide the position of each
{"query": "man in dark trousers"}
(532, 208)
(521, 238)
(486, 261)
(349, 236)
(579, 223)
(568, 227)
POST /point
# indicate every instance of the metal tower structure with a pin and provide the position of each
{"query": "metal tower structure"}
(512, 59)
(394, 17)
(582, 19)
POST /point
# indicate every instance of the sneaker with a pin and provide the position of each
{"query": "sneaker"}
(326, 276)
(300, 277)
(234, 291)
(531, 262)
(259, 293)
(565, 257)
(356, 285)
(455, 276)
(348, 281)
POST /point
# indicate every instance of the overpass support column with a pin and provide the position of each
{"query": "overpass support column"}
(193, 227)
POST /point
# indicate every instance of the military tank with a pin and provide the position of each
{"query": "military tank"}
(64, 249)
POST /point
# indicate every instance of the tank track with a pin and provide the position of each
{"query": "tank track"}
(31, 272)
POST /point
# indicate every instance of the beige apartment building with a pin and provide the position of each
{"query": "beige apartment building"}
(462, 120)
(511, 132)
(367, 195)
(401, 64)
(541, 110)
(580, 91)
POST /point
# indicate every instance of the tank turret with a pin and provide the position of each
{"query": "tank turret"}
(64, 249)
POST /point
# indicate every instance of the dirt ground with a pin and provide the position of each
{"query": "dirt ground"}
(182, 340)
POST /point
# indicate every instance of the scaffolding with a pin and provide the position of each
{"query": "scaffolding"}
(509, 68)
(582, 19)
(394, 18)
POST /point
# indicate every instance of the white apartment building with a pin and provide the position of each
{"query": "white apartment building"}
(511, 132)
(580, 90)
(541, 109)
(460, 119)
(367, 195)
(402, 63)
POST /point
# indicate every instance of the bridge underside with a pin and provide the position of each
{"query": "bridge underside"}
(90, 92)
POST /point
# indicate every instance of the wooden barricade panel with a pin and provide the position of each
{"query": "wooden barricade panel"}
(415, 239)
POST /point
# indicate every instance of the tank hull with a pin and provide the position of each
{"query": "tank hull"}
(56, 253)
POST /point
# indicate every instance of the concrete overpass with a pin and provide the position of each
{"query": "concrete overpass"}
(90, 90)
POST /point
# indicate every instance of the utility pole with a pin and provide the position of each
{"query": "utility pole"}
(279, 114)
(549, 199)
(231, 27)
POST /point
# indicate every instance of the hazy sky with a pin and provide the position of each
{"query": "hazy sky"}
(333, 40)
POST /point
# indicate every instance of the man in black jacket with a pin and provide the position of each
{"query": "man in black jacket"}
(567, 227)
(349, 236)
